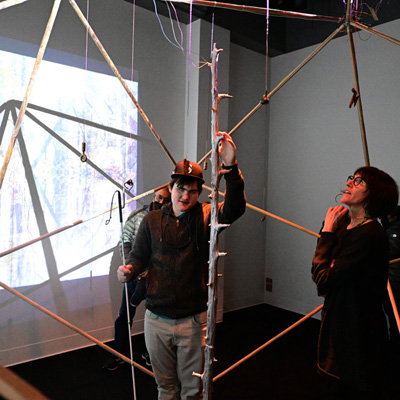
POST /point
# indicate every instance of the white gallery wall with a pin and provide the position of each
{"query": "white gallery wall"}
(315, 143)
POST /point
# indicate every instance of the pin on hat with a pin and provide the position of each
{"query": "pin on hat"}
(188, 169)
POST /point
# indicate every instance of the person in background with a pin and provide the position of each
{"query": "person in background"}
(392, 225)
(350, 269)
(136, 287)
(173, 244)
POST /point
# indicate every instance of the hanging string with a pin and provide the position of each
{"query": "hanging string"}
(161, 26)
(172, 25)
(129, 119)
(133, 36)
(190, 36)
(129, 126)
(177, 44)
(86, 72)
(266, 46)
(83, 157)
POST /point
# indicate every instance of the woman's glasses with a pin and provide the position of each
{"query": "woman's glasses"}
(356, 180)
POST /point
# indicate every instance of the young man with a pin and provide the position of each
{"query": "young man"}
(136, 287)
(173, 244)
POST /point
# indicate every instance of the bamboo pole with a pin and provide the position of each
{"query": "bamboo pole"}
(261, 10)
(15, 388)
(261, 211)
(9, 3)
(268, 214)
(356, 24)
(299, 322)
(9, 251)
(118, 75)
(35, 70)
(393, 302)
(264, 100)
(308, 59)
(74, 328)
(358, 94)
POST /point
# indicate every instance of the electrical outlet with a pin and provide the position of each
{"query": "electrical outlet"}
(268, 284)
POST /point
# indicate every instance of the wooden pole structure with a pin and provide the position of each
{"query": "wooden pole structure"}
(9, 251)
(393, 301)
(74, 328)
(8, 3)
(24, 104)
(356, 89)
(268, 214)
(260, 10)
(215, 229)
(15, 388)
(356, 24)
(295, 325)
(265, 99)
(118, 75)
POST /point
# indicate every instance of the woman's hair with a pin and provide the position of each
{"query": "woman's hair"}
(382, 195)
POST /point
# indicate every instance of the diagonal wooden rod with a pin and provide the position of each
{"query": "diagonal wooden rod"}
(9, 3)
(283, 220)
(252, 112)
(118, 75)
(21, 114)
(393, 302)
(299, 322)
(307, 60)
(6, 252)
(12, 386)
(21, 246)
(359, 102)
(374, 32)
(261, 211)
(287, 78)
(74, 328)
(260, 10)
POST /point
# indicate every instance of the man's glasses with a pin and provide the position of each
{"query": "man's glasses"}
(356, 181)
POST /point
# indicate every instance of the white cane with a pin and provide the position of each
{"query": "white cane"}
(126, 290)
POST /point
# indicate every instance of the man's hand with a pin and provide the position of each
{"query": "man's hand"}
(227, 150)
(125, 273)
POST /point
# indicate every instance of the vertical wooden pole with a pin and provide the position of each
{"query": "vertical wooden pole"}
(356, 83)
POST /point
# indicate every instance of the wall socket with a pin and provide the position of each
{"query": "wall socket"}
(268, 284)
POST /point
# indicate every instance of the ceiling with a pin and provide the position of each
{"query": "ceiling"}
(284, 34)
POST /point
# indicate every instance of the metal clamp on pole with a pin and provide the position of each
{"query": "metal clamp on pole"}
(354, 99)
(83, 156)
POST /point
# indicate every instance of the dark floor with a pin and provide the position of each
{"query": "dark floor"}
(284, 370)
